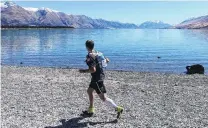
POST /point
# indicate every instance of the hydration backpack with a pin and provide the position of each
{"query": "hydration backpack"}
(101, 60)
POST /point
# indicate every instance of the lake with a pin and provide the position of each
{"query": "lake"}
(128, 49)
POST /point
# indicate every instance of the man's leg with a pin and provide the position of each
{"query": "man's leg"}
(110, 102)
(91, 97)
(107, 100)
(100, 89)
(101, 93)
(90, 110)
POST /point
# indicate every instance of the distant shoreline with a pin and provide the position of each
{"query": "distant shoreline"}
(69, 27)
(23, 27)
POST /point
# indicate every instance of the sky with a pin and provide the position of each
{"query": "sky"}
(137, 12)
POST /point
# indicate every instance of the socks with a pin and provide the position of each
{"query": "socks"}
(110, 102)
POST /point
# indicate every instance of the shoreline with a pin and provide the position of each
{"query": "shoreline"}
(41, 97)
(118, 70)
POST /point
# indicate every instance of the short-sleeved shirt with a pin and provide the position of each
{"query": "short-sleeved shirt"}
(93, 62)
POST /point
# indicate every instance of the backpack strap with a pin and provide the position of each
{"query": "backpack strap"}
(91, 56)
(94, 59)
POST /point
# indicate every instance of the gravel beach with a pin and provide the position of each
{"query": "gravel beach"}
(35, 97)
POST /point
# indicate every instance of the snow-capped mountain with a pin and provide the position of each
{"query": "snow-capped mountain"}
(7, 4)
(12, 14)
(15, 15)
(31, 9)
(154, 25)
(194, 23)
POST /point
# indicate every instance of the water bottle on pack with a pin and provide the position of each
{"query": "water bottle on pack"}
(101, 59)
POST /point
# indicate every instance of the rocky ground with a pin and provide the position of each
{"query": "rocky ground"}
(34, 97)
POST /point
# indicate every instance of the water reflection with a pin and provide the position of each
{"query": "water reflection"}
(201, 34)
(128, 49)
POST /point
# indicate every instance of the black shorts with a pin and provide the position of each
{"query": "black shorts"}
(98, 87)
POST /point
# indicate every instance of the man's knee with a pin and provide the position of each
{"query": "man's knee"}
(89, 91)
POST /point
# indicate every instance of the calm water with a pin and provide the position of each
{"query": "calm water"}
(128, 49)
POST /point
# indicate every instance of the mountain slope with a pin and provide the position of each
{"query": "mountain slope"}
(194, 23)
(14, 15)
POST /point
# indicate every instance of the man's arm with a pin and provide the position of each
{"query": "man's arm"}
(90, 70)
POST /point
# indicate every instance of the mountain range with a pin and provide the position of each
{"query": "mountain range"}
(13, 15)
(154, 25)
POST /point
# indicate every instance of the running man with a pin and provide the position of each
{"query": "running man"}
(97, 81)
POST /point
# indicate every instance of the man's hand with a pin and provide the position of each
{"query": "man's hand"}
(82, 70)
(90, 70)
(107, 60)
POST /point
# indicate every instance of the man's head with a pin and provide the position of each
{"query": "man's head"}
(89, 45)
